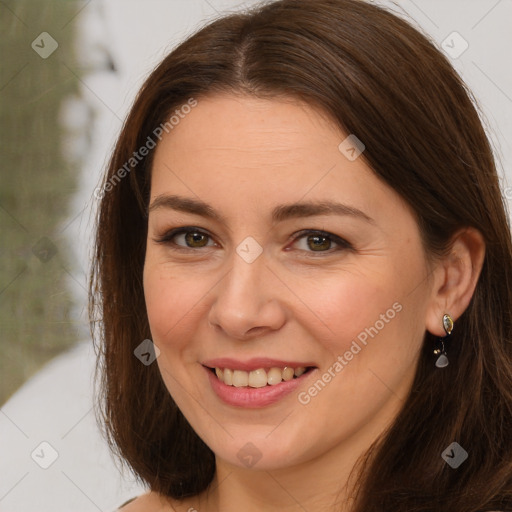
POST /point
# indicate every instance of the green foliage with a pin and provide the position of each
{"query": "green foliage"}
(36, 182)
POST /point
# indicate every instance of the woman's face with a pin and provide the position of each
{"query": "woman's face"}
(272, 249)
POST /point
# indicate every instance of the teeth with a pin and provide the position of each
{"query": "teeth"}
(274, 376)
(228, 376)
(299, 371)
(288, 373)
(240, 378)
(258, 378)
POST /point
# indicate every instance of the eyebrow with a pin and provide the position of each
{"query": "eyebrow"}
(279, 213)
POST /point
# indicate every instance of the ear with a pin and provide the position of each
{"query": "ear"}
(455, 278)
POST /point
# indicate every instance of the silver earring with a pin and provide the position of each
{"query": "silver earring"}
(442, 360)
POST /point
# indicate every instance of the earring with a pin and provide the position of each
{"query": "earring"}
(442, 360)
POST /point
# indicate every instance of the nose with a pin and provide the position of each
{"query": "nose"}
(247, 302)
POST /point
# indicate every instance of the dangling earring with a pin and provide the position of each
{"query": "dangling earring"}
(442, 360)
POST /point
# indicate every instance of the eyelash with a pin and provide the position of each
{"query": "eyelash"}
(167, 239)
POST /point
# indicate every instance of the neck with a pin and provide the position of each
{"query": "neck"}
(290, 490)
(320, 484)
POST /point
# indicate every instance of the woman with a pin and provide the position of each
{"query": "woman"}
(304, 268)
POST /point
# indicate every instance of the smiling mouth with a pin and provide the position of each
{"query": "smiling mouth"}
(259, 378)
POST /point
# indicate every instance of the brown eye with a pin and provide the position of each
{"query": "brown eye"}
(196, 239)
(186, 238)
(319, 242)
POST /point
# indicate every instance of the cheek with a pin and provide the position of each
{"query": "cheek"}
(171, 302)
(370, 348)
(343, 305)
(370, 318)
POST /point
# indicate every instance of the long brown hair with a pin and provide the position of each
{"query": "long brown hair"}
(378, 78)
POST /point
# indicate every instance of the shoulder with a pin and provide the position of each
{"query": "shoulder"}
(149, 502)
(153, 502)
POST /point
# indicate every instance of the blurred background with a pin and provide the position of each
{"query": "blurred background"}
(70, 71)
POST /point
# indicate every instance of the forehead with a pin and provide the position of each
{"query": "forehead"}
(246, 151)
(257, 128)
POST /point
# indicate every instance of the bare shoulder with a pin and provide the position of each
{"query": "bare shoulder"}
(151, 502)
(143, 502)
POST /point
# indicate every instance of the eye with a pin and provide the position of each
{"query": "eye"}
(320, 241)
(187, 238)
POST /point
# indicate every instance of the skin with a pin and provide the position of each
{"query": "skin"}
(244, 156)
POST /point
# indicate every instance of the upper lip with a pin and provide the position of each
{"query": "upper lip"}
(253, 364)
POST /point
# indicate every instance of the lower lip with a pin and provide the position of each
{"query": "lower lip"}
(254, 397)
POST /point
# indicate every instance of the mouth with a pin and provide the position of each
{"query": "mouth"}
(260, 377)
(258, 382)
